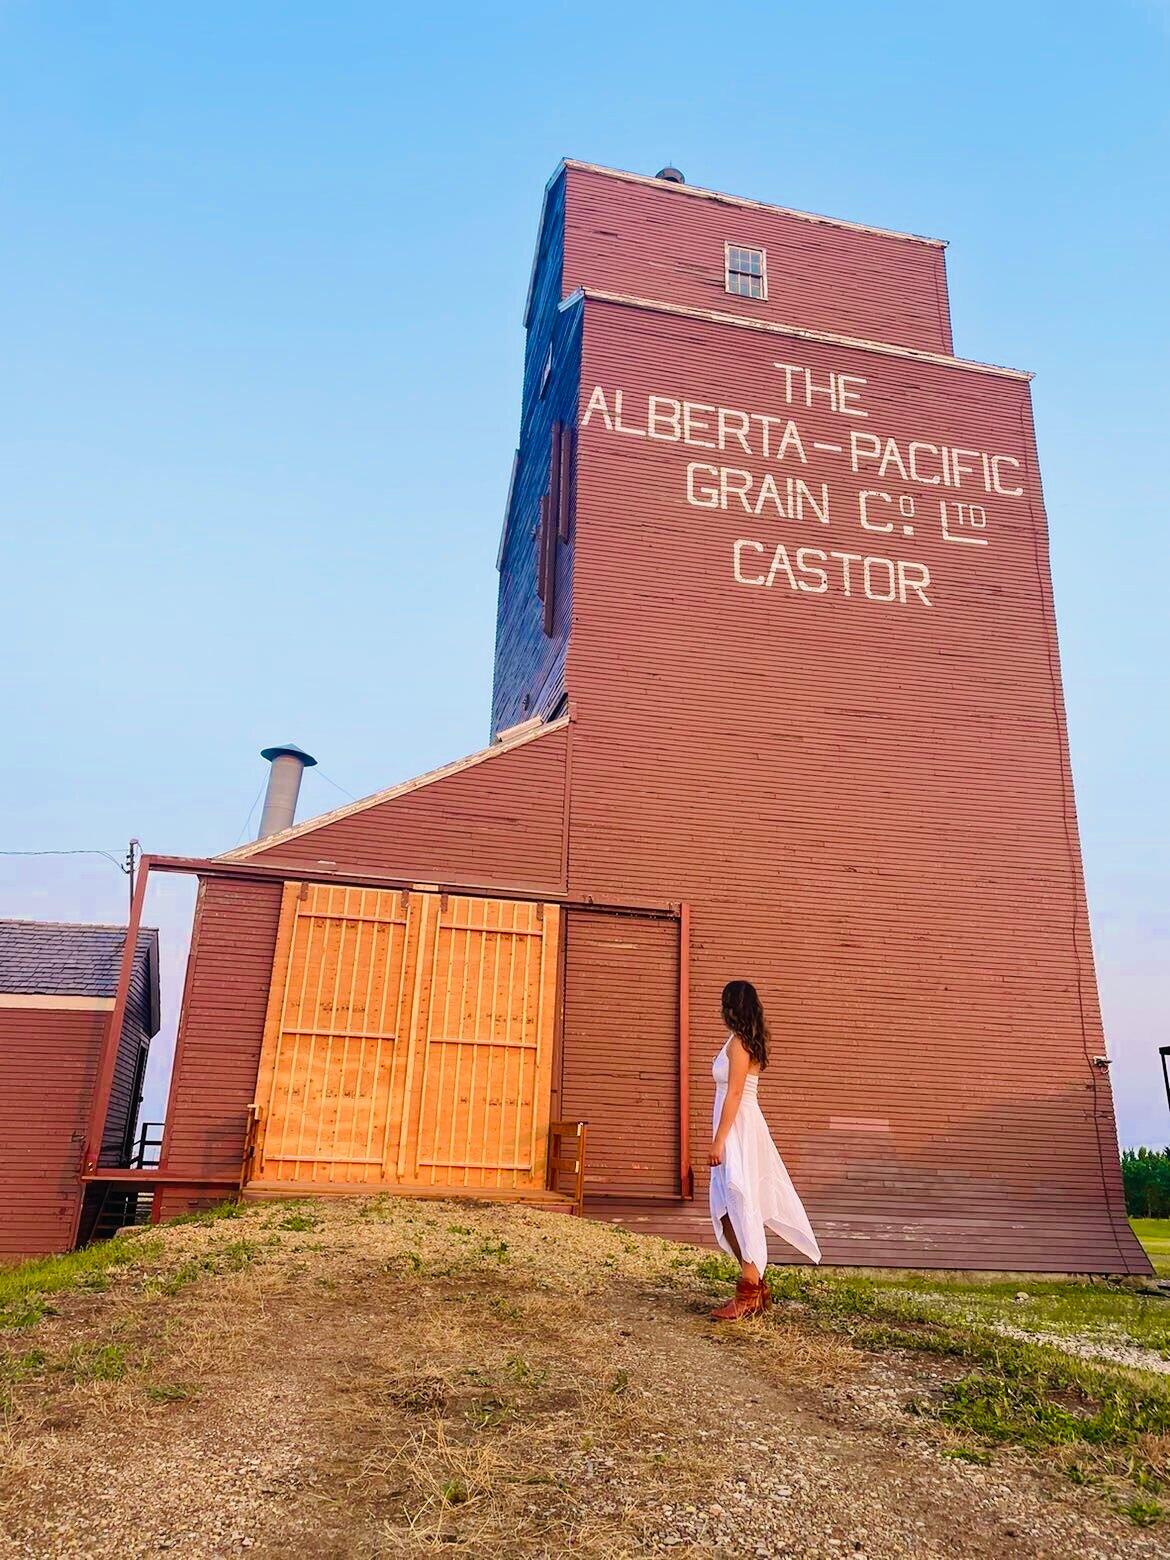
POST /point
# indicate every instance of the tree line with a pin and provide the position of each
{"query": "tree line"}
(1147, 1182)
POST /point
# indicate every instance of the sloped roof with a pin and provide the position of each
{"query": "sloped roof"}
(518, 736)
(68, 958)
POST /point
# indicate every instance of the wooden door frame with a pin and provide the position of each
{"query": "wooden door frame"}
(202, 867)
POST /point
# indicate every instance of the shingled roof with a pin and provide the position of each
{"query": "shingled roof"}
(62, 958)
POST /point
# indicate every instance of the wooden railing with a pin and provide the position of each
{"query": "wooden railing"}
(566, 1155)
(144, 1156)
(251, 1128)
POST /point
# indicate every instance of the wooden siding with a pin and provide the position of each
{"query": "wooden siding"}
(529, 663)
(657, 241)
(221, 1029)
(125, 1094)
(620, 1068)
(495, 824)
(499, 822)
(546, 290)
(867, 804)
(48, 1070)
(48, 1066)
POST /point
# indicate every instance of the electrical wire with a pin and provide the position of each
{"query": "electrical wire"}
(119, 862)
(322, 775)
(248, 819)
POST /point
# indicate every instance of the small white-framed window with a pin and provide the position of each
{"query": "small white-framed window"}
(746, 271)
(546, 373)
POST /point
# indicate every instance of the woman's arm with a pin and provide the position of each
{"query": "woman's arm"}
(737, 1070)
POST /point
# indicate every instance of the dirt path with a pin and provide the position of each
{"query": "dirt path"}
(414, 1377)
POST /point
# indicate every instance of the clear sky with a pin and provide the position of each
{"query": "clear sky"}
(264, 270)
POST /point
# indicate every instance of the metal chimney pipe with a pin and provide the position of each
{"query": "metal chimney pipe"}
(289, 763)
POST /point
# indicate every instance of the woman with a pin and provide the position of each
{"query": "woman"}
(750, 1189)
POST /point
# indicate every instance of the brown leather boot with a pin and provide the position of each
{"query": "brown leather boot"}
(749, 1300)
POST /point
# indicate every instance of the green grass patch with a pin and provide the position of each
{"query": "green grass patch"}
(1035, 1403)
(1103, 1310)
(1101, 1423)
(378, 1208)
(23, 1288)
(299, 1221)
(1154, 1235)
(969, 1454)
(94, 1362)
(1144, 1511)
(166, 1392)
(226, 1259)
(20, 1367)
(232, 1209)
(713, 1269)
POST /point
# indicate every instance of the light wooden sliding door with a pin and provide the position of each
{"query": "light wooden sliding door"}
(408, 1041)
(483, 1050)
(334, 1039)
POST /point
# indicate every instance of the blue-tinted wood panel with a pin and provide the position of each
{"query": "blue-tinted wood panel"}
(530, 663)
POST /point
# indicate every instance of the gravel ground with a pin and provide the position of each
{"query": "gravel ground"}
(1092, 1346)
(401, 1377)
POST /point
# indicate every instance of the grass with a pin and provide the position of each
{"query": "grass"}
(1154, 1235)
(1099, 1423)
(507, 1375)
(23, 1288)
(226, 1259)
(1094, 1311)
(232, 1209)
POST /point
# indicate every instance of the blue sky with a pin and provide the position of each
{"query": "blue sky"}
(264, 271)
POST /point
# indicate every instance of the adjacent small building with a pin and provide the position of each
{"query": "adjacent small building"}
(58, 984)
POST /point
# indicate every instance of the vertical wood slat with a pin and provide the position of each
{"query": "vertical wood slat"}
(448, 1082)
(409, 942)
(542, 550)
(277, 1003)
(565, 487)
(418, 976)
(550, 567)
(550, 527)
(555, 473)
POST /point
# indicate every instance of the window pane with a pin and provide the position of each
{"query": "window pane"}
(744, 271)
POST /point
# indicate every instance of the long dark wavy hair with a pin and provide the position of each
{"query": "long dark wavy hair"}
(743, 1013)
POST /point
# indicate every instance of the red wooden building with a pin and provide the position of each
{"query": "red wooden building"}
(777, 695)
(58, 985)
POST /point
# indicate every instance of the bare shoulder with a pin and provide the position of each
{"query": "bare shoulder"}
(739, 1056)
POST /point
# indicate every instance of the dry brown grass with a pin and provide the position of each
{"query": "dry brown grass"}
(362, 1379)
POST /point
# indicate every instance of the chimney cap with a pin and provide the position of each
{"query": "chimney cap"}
(670, 174)
(292, 750)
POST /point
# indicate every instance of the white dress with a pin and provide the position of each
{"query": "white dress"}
(751, 1186)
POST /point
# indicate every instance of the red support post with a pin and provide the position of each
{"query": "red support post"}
(686, 1172)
